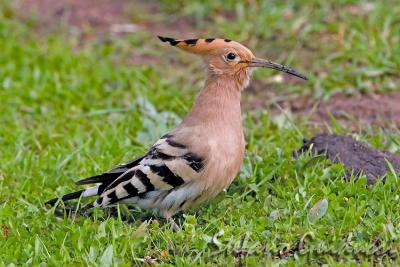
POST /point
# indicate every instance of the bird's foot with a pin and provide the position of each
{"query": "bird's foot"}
(175, 227)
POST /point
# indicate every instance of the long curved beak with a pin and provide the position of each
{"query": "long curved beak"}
(259, 62)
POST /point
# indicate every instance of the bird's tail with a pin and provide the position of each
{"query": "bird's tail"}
(91, 191)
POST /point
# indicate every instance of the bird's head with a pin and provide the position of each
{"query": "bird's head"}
(227, 57)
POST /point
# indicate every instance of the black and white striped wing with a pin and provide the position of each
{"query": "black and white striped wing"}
(106, 178)
(168, 165)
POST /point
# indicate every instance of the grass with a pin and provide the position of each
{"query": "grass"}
(68, 114)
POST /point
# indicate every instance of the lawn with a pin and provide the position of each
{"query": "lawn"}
(73, 104)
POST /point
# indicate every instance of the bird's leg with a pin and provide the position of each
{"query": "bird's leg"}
(175, 227)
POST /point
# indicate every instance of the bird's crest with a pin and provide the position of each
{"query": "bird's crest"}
(199, 45)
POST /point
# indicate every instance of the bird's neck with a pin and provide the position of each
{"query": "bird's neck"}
(217, 104)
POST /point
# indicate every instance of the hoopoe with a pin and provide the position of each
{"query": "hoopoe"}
(203, 154)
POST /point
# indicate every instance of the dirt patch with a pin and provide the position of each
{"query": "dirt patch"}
(356, 157)
(381, 109)
(87, 13)
(368, 109)
(103, 20)
(102, 16)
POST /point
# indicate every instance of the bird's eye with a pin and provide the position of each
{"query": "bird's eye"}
(230, 56)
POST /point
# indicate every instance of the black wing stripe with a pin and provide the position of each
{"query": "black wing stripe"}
(166, 136)
(167, 175)
(182, 203)
(195, 162)
(111, 175)
(156, 154)
(113, 197)
(132, 190)
(174, 143)
(145, 180)
(101, 178)
(99, 201)
(165, 156)
(123, 178)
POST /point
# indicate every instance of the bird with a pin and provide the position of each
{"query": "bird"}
(199, 158)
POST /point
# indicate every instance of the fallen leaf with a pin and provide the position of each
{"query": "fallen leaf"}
(319, 209)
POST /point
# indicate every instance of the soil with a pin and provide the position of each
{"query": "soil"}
(370, 109)
(102, 16)
(99, 19)
(356, 157)
(367, 109)
(92, 13)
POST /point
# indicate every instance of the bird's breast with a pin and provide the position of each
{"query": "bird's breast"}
(223, 161)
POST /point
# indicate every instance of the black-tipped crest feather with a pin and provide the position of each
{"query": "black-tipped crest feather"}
(172, 41)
